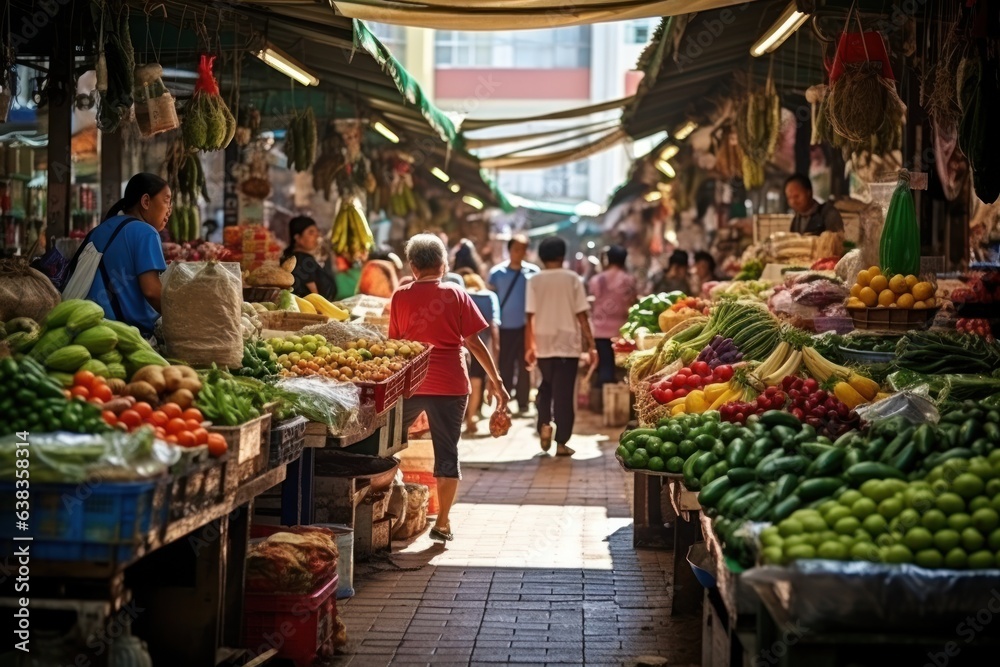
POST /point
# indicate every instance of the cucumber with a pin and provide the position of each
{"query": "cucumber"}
(713, 492)
(785, 508)
(737, 451)
(703, 463)
(629, 436)
(906, 458)
(875, 448)
(968, 433)
(786, 485)
(828, 462)
(773, 418)
(862, 472)
(843, 440)
(771, 470)
(735, 494)
(820, 487)
(743, 505)
(742, 475)
(992, 432)
(814, 449)
(924, 439)
(784, 436)
(760, 509)
(688, 468)
(807, 434)
(954, 453)
(854, 457)
(758, 450)
(896, 445)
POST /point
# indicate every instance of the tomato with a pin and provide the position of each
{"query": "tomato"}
(131, 419)
(177, 425)
(158, 418)
(101, 392)
(186, 439)
(701, 368)
(80, 392)
(668, 395)
(192, 424)
(172, 410)
(200, 436)
(678, 381)
(694, 381)
(110, 418)
(724, 373)
(217, 444)
(144, 409)
(171, 439)
(83, 379)
(779, 397)
(681, 393)
(193, 414)
(160, 433)
(810, 386)
(684, 371)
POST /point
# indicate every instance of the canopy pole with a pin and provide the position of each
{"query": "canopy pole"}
(59, 152)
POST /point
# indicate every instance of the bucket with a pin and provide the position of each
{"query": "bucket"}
(345, 563)
(428, 480)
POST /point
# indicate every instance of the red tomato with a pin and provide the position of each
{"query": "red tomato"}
(110, 418)
(186, 439)
(176, 426)
(659, 397)
(193, 414)
(694, 381)
(678, 381)
(192, 424)
(83, 379)
(681, 393)
(101, 392)
(668, 395)
(684, 371)
(217, 444)
(144, 409)
(172, 410)
(200, 436)
(80, 392)
(158, 418)
(160, 433)
(171, 438)
(131, 419)
(701, 368)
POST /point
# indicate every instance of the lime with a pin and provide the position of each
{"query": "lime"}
(918, 539)
(920, 500)
(953, 468)
(668, 450)
(847, 540)
(929, 558)
(909, 518)
(799, 515)
(686, 448)
(946, 540)
(972, 540)
(959, 521)
(847, 525)
(890, 507)
(800, 551)
(631, 447)
(898, 553)
(771, 539)
(940, 486)
(827, 536)
(995, 503)
(773, 555)
(875, 524)
(950, 503)
(934, 520)
(652, 448)
(790, 527)
(863, 507)
(836, 514)
(794, 541)
(993, 486)
(675, 464)
(883, 491)
(955, 559)
(885, 540)
(864, 551)
(639, 459)
(832, 551)
(623, 452)
(870, 488)
(978, 503)
(981, 468)
(985, 520)
(981, 560)
(814, 524)
(827, 506)
(993, 541)
(968, 485)
(849, 497)
(994, 457)
(656, 464)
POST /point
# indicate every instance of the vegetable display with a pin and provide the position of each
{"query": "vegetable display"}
(646, 312)
(934, 352)
(224, 401)
(31, 401)
(361, 360)
(301, 140)
(875, 290)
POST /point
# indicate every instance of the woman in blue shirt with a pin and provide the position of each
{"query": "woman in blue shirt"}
(127, 282)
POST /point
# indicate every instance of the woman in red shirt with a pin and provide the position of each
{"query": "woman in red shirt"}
(443, 315)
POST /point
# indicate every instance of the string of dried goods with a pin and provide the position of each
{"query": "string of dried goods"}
(115, 72)
(300, 140)
(758, 122)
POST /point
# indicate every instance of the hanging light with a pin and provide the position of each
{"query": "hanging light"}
(666, 168)
(685, 130)
(385, 132)
(454, 187)
(287, 65)
(440, 174)
(669, 151)
(655, 195)
(473, 202)
(790, 20)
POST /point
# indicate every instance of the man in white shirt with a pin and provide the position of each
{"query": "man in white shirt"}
(557, 332)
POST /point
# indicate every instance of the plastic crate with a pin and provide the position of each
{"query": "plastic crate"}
(204, 485)
(297, 625)
(384, 394)
(287, 440)
(100, 522)
(416, 371)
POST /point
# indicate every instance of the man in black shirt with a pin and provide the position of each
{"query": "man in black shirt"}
(811, 217)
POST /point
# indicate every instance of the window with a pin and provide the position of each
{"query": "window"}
(639, 31)
(393, 37)
(564, 182)
(526, 49)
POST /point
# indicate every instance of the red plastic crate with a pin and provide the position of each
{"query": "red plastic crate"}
(416, 371)
(428, 480)
(384, 394)
(299, 626)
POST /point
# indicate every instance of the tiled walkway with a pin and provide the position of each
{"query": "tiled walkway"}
(541, 571)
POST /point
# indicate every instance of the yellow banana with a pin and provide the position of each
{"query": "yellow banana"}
(324, 307)
(304, 305)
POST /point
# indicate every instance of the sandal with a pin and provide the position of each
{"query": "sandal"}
(563, 450)
(545, 436)
(440, 535)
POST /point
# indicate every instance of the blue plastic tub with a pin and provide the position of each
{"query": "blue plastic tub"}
(701, 564)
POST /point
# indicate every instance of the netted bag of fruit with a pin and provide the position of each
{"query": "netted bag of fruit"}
(647, 409)
(499, 423)
(208, 124)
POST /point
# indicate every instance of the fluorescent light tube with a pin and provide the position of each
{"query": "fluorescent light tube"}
(385, 132)
(685, 131)
(287, 65)
(440, 174)
(655, 195)
(790, 20)
(473, 202)
(669, 152)
(666, 168)
(454, 187)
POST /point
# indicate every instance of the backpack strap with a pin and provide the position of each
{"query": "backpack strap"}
(109, 285)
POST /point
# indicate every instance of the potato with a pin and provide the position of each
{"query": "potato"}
(172, 377)
(152, 376)
(182, 397)
(143, 391)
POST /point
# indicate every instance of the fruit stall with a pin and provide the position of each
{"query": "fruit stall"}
(840, 480)
(207, 456)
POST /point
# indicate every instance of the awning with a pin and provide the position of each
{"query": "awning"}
(603, 143)
(516, 14)
(470, 124)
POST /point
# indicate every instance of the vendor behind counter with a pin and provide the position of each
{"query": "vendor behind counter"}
(811, 216)
(310, 276)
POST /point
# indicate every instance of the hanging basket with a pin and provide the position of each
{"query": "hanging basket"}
(155, 111)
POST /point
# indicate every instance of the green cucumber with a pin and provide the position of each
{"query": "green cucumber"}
(741, 475)
(629, 436)
(992, 432)
(735, 494)
(784, 436)
(862, 472)
(968, 433)
(703, 463)
(758, 450)
(820, 487)
(743, 505)
(896, 445)
(785, 508)
(712, 493)
(828, 462)
(760, 509)
(773, 418)
(785, 486)
(771, 470)
(875, 448)
(846, 438)
(814, 449)
(737, 451)
(924, 439)
(906, 458)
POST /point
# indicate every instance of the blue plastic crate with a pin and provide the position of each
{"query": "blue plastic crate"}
(97, 521)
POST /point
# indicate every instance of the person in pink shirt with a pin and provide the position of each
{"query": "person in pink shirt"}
(614, 291)
(432, 311)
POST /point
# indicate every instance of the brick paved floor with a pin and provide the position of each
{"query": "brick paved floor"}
(541, 571)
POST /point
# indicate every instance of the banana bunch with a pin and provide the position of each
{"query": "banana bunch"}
(402, 202)
(351, 235)
(184, 223)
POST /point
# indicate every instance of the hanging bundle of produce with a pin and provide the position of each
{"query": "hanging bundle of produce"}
(401, 199)
(300, 140)
(115, 73)
(357, 172)
(330, 163)
(254, 181)
(247, 126)
(979, 91)
(758, 122)
(351, 235)
(939, 96)
(899, 248)
(187, 181)
(154, 105)
(726, 147)
(862, 105)
(208, 124)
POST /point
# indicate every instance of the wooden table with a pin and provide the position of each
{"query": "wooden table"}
(687, 597)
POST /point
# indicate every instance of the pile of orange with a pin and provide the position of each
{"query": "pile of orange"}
(874, 290)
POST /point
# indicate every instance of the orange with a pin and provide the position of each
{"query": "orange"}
(868, 297)
(879, 284)
(886, 297)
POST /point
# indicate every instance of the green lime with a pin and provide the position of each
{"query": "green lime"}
(639, 459)
(804, 551)
(950, 503)
(849, 497)
(994, 457)
(790, 527)
(920, 500)
(890, 507)
(934, 520)
(847, 525)
(675, 464)
(995, 502)
(993, 541)
(772, 540)
(800, 515)
(946, 540)
(955, 559)
(959, 521)
(773, 555)
(993, 486)
(985, 519)
(981, 560)
(981, 468)
(886, 540)
(814, 524)
(847, 540)
(836, 513)
(631, 447)
(794, 541)
(972, 540)
(686, 448)
(968, 485)
(940, 486)
(863, 507)
(865, 551)
(929, 558)
(832, 551)
(898, 553)
(952, 468)
(656, 464)
(918, 539)
(623, 452)
(978, 503)
(668, 450)
(909, 518)
(652, 448)
(870, 489)
(828, 505)
(875, 524)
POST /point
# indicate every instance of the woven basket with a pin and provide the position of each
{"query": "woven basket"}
(156, 115)
(283, 320)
